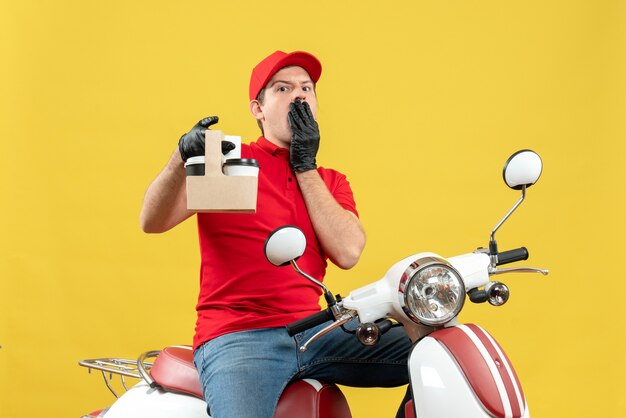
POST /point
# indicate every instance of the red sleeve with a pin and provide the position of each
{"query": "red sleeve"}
(339, 187)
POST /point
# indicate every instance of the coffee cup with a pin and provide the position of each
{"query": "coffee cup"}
(241, 167)
(195, 166)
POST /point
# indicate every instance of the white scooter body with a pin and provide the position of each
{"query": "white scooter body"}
(383, 298)
(142, 401)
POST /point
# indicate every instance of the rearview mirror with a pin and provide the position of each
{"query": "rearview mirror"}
(522, 169)
(284, 245)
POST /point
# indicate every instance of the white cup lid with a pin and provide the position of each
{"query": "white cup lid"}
(249, 162)
(195, 160)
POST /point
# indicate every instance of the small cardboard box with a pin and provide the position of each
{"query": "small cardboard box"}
(215, 191)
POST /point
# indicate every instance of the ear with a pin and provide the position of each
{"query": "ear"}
(257, 110)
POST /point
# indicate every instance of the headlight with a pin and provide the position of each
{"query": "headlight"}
(431, 291)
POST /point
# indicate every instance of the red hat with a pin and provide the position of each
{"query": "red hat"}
(264, 70)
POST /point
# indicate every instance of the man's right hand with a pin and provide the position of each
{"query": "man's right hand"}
(191, 144)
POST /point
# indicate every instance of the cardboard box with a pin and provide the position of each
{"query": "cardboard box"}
(216, 192)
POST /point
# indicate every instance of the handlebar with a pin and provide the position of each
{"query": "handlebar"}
(309, 322)
(511, 256)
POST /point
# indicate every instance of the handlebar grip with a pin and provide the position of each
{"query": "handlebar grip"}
(309, 322)
(511, 256)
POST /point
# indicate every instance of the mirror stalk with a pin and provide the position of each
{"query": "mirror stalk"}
(493, 245)
(519, 202)
(330, 299)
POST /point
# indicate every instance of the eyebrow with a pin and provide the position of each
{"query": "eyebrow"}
(290, 82)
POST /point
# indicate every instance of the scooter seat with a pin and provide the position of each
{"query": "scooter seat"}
(174, 370)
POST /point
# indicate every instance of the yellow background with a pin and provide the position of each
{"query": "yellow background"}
(421, 102)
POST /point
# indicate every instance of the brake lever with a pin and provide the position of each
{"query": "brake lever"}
(494, 271)
(341, 320)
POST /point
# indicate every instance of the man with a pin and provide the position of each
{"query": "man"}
(242, 351)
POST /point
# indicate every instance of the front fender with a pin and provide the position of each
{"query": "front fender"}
(462, 371)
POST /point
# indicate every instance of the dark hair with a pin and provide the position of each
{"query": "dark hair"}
(260, 98)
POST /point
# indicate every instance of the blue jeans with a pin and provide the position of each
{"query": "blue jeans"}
(244, 373)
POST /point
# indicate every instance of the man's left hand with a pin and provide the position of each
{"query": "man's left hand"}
(305, 137)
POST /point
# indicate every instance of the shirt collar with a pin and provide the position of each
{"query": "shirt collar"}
(270, 147)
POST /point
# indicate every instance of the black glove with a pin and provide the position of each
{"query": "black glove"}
(191, 144)
(305, 136)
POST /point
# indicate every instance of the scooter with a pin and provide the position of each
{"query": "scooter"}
(455, 369)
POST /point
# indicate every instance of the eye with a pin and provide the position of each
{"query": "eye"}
(283, 89)
(307, 88)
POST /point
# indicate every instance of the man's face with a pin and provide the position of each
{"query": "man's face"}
(287, 85)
